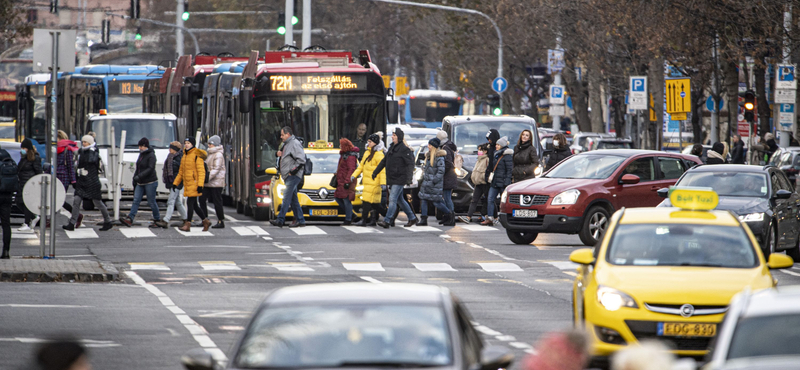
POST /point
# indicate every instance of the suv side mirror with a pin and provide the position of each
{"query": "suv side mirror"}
(392, 109)
(782, 194)
(496, 357)
(197, 359)
(629, 179)
(663, 192)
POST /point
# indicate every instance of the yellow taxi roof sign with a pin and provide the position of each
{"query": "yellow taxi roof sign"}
(693, 198)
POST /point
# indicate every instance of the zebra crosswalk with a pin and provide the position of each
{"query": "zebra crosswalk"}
(299, 266)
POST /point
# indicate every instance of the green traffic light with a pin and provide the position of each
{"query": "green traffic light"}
(138, 36)
(294, 20)
(282, 30)
(497, 111)
(185, 16)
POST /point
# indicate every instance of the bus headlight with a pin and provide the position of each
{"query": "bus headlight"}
(280, 189)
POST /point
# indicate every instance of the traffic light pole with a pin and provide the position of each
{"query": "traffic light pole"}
(178, 28)
(288, 37)
(461, 10)
(785, 141)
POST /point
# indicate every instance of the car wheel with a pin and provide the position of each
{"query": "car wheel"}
(521, 237)
(771, 241)
(594, 227)
(239, 207)
(795, 252)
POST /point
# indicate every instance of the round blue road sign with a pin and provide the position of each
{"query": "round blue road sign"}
(499, 84)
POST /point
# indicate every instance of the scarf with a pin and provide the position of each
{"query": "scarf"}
(713, 154)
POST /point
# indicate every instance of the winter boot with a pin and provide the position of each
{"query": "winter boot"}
(5, 255)
(69, 227)
(187, 226)
(107, 226)
(206, 224)
(423, 221)
(220, 225)
(450, 219)
(371, 219)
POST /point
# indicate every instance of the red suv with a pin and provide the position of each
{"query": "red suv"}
(579, 194)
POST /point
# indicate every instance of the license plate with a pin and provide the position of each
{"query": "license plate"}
(324, 212)
(680, 329)
(526, 213)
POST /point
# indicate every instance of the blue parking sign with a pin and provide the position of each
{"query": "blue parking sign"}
(638, 84)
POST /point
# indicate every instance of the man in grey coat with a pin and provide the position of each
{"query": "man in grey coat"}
(292, 160)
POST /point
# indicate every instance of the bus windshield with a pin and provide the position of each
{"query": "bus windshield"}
(433, 109)
(39, 124)
(125, 103)
(468, 136)
(160, 132)
(314, 117)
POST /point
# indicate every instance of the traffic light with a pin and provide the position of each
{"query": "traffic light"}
(138, 33)
(134, 9)
(54, 6)
(749, 105)
(494, 105)
(185, 15)
(281, 23)
(105, 33)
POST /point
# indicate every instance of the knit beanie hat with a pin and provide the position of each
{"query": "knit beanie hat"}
(27, 144)
(88, 138)
(441, 135)
(435, 142)
(215, 140)
(503, 142)
(144, 142)
(191, 140)
(374, 138)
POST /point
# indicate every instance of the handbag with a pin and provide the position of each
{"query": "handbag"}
(334, 181)
(491, 175)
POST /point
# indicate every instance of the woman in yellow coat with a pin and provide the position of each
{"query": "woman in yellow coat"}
(193, 175)
(371, 195)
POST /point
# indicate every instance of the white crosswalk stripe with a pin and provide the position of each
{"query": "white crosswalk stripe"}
(250, 230)
(362, 266)
(499, 266)
(158, 266)
(308, 230)
(417, 229)
(137, 232)
(82, 234)
(219, 265)
(433, 267)
(477, 228)
(291, 266)
(20, 235)
(363, 230)
(563, 265)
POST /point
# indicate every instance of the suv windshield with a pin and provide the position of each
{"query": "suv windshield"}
(160, 132)
(774, 335)
(728, 184)
(467, 136)
(586, 167)
(346, 336)
(681, 245)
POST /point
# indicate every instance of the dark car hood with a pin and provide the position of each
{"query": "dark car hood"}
(737, 205)
(546, 186)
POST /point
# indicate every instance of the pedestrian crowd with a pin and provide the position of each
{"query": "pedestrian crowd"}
(735, 153)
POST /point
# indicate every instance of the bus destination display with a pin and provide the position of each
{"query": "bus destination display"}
(130, 87)
(317, 82)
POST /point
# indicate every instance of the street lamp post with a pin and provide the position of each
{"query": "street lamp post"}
(461, 10)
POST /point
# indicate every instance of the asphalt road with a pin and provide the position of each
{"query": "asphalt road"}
(183, 291)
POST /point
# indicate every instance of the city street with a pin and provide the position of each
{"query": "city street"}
(179, 292)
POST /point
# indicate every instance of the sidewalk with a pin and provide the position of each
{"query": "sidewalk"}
(42, 270)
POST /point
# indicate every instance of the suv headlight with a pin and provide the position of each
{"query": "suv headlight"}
(613, 299)
(752, 217)
(538, 171)
(461, 173)
(566, 197)
(280, 189)
(504, 196)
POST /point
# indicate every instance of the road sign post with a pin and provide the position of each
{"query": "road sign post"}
(785, 97)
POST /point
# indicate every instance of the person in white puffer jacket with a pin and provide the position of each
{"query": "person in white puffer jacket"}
(216, 180)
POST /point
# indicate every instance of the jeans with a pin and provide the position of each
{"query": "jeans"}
(348, 207)
(175, 200)
(493, 191)
(448, 199)
(439, 203)
(150, 190)
(215, 194)
(76, 205)
(290, 200)
(396, 196)
(479, 192)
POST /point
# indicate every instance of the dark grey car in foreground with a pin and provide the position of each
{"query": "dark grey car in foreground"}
(358, 325)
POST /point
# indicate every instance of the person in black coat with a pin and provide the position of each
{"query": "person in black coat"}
(171, 168)
(717, 154)
(502, 170)
(87, 184)
(493, 135)
(399, 165)
(30, 165)
(450, 177)
(737, 152)
(145, 180)
(560, 151)
(6, 198)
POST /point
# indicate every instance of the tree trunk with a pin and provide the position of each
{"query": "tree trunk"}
(764, 113)
(732, 90)
(596, 100)
(580, 98)
(618, 102)
(697, 114)
(656, 87)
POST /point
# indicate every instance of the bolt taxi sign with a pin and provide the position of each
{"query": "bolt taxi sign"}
(693, 198)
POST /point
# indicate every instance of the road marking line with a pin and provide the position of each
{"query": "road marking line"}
(498, 267)
(445, 236)
(20, 235)
(197, 331)
(158, 266)
(290, 266)
(505, 338)
(195, 231)
(19, 305)
(249, 230)
(486, 330)
(520, 345)
(308, 230)
(433, 267)
(417, 229)
(362, 230)
(571, 273)
(137, 232)
(86, 342)
(563, 265)
(363, 266)
(478, 228)
(219, 265)
(371, 280)
(790, 273)
(81, 234)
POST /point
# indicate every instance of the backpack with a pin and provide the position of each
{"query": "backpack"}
(308, 167)
(205, 168)
(9, 180)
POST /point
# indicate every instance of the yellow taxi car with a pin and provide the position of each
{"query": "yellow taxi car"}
(316, 196)
(667, 274)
